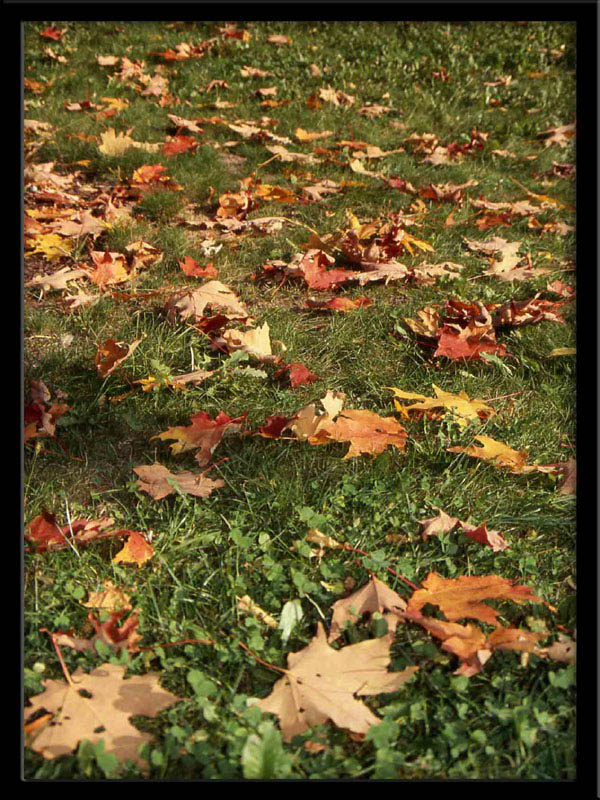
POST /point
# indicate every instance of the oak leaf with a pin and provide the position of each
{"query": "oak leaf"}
(157, 481)
(103, 716)
(320, 684)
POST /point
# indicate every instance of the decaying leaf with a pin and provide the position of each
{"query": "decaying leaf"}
(157, 481)
(102, 716)
(320, 684)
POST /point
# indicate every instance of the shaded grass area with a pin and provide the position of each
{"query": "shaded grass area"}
(510, 721)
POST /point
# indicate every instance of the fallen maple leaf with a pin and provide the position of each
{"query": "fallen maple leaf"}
(320, 684)
(110, 354)
(498, 453)
(246, 605)
(116, 144)
(110, 598)
(298, 374)
(179, 144)
(192, 268)
(460, 597)
(367, 432)
(434, 526)
(45, 534)
(158, 482)
(119, 637)
(102, 716)
(214, 294)
(344, 304)
(136, 550)
(373, 596)
(204, 434)
(276, 38)
(560, 135)
(458, 404)
(110, 268)
(256, 342)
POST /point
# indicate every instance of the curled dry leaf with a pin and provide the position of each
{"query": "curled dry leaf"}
(43, 533)
(320, 684)
(159, 482)
(107, 700)
(119, 637)
(246, 605)
(57, 280)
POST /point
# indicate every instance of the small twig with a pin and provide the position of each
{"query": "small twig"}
(216, 464)
(180, 641)
(260, 661)
(66, 673)
(70, 529)
(503, 396)
(389, 569)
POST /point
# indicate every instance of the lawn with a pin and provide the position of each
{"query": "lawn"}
(421, 175)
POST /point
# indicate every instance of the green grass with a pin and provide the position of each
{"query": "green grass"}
(510, 721)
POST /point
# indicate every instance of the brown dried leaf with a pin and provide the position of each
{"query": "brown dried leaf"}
(157, 481)
(320, 684)
(113, 701)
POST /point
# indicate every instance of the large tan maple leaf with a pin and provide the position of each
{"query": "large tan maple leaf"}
(320, 684)
(105, 715)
